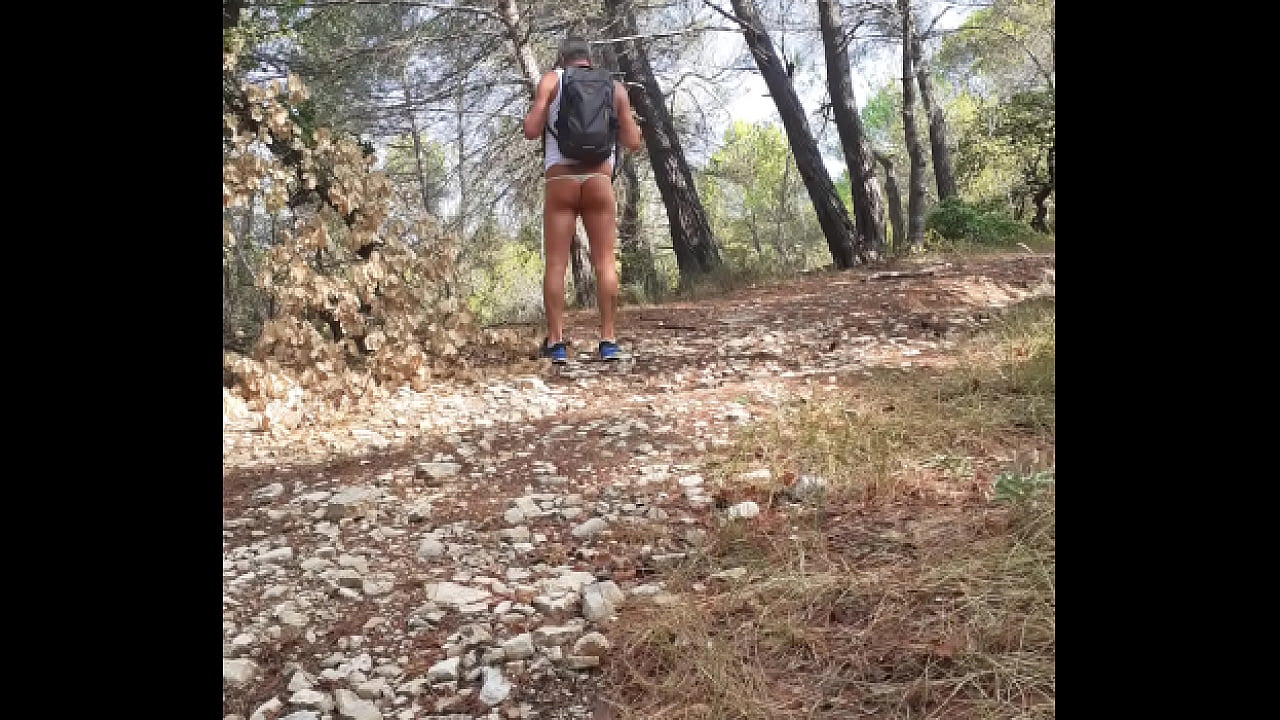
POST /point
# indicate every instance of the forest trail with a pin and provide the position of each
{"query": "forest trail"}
(466, 551)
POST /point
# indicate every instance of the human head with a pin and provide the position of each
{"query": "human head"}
(574, 50)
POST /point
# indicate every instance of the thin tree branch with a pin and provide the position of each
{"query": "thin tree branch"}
(389, 3)
(671, 33)
(729, 16)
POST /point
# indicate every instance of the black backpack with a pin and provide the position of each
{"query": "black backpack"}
(586, 127)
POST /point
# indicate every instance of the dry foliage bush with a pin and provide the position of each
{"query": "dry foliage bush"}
(359, 288)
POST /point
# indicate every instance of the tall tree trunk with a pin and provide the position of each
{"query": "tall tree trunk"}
(636, 254)
(584, 280)
(231, 13)
(637, 251)
(832, 217)
(915, 183)
(895, 201)
(514, 26)
(1040, 221)
(695, 247)
(417, 145)
(868, 210)
(755, 237)
(942, 173)
(579, 253)
(460, 118)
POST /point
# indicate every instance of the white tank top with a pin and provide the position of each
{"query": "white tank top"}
(553, 148)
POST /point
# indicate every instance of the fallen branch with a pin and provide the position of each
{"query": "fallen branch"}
(890, 274)
(663, 323)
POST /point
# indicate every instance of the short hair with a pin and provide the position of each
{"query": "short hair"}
(574, 48)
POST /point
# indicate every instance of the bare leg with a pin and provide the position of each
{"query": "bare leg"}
(559, 216)
(599, 219)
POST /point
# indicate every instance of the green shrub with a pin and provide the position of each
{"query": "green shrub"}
(510, 290)
(956, 220)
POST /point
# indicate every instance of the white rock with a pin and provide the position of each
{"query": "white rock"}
(351, 502)
(269, 492)
(495, 688)
(438, 470)
(293, 618)
(239, 672)
(300, 681)
(371, 689)
(611, 592)
(378, 586)
(528, 507)
(444, 670)
(301, 715)
(572, 581)
(518, 647)
(362, 662)
(592, 643)
(315, 564)
(278, 555)
(590, 528)
(419, 511)
(474, 634)
(267, 709)
(808, 486)
(311, 699)
(594, 606)
(554, 635)
(745, 510)
(430, 548)
(351, 706)
(453, 594)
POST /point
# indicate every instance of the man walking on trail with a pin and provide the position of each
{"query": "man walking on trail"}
(582, 114)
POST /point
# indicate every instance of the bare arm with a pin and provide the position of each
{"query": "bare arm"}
(628, 130)
(536, 121)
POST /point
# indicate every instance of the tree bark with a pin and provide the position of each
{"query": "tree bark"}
(460, 120)
(579, 252)
(1039, 222)
(514, 26)
(584, 279)
(868, 210)
(942, 173)
(231, 13)
(636, 250)
(832, 217)
(691, 239)
(635, 253)
(895, 201)
(915, 183)
(417, 148)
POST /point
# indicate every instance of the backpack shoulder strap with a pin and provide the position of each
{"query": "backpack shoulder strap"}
(562, 73)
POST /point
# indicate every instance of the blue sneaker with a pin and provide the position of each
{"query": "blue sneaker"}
(609, 350)
(558, 352)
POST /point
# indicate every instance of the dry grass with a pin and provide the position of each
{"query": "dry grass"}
(882, 600)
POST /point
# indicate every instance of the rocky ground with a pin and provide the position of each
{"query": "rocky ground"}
(463, 551)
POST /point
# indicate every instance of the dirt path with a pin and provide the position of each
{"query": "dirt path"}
(461, 552)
